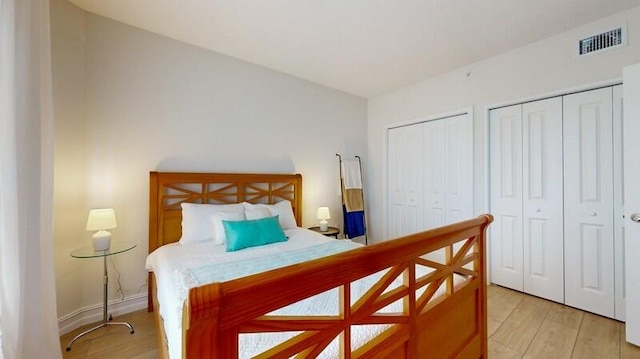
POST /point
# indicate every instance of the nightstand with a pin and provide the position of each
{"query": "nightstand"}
(330, 232)
(88, 252)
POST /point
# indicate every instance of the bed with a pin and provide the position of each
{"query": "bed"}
(436, 277)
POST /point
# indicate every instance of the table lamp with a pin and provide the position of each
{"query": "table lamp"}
(100, 220)
(323, 215)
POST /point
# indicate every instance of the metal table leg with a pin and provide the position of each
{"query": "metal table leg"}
(105, 321)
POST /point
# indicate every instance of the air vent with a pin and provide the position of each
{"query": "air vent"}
(605, 40)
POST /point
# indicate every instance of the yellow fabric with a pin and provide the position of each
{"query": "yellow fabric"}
(353, 200)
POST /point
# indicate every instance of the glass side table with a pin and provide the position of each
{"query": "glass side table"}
(88, 252)
(330, 232)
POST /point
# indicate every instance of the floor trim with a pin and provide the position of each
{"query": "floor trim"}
(93, 313)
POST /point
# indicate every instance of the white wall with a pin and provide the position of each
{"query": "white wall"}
(73, 283)
(129, 102)
(537, 69)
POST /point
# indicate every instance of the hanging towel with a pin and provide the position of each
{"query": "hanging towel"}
(353, 223)
(351, 174)
(353, 200)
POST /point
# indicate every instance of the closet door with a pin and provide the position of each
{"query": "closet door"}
(505, 178)
(542, 199)
(618, 207)
(459, 168)
(631, 148)
(588, 195)
(448, 174)
(405, 180)
(435, 153)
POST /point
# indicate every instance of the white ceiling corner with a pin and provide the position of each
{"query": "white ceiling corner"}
(362, 47)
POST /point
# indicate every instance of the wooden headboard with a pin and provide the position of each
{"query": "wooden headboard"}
(167, 190)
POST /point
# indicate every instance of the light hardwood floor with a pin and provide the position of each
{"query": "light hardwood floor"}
(520, 326)
(115, 341)
(523, 326)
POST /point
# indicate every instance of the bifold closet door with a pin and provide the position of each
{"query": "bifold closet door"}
(631, 148)
(619, 233)
(542, 199)
(588, 195)
(505, 177)
(448, 174)
(526, 198)
(405, 180)
(429, 174)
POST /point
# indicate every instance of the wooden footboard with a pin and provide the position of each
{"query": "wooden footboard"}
(441, 318)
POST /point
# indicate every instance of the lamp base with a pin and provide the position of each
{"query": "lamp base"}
(324, 226)
(101, 241)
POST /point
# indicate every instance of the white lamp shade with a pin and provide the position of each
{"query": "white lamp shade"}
(323, 213)
(100, 219)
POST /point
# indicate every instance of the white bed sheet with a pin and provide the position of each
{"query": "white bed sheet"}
(173, 280)
(170, 263)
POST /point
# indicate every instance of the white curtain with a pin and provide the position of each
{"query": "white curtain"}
(28, 319)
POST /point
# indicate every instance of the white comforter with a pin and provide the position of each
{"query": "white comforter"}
(178, 268)
(174, 267)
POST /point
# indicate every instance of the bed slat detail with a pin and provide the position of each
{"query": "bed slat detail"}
(248, 300)
(169, 189)
(452, 324)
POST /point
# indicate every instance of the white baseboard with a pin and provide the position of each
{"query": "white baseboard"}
(93, 313)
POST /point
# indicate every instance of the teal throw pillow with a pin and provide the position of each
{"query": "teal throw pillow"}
(252, 233)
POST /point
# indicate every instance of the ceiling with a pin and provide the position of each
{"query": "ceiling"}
(362, 47)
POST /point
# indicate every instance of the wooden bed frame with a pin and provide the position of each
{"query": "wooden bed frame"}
(450, 325)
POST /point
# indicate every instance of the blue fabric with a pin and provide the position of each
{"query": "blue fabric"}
(251, 233)
(353, 223)
(221, 272)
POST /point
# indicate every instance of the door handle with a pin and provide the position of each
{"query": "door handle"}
(635, 217)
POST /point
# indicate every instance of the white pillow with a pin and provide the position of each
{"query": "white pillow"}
(257, 213)
(282, 209)
(197, 225)
(219, 236)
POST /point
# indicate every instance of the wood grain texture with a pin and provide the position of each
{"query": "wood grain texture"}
(168, 190)
(142, 345)
(519, 329)
(448, 325)
(453, 324)
(627, 351)
(551, 341)
(560, 331)
(597, 329)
